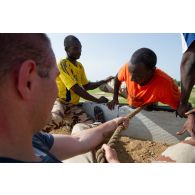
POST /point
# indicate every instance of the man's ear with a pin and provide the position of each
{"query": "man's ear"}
(26, 76)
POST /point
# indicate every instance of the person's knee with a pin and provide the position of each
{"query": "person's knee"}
(57, 112)
(80, 127)
(58, 107)
(183, 152)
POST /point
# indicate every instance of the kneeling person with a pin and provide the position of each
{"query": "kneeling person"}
(72, 84)
(145, 84)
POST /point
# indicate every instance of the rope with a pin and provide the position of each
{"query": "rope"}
(100, 154)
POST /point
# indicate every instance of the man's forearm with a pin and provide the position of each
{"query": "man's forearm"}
(91, 138)
(71, 145)
(117, 85)
(187, 77)
(94, 85)
(186, 88)
(84, 94)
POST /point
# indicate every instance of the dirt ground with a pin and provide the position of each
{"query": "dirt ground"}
(131, 150)
(138, 151)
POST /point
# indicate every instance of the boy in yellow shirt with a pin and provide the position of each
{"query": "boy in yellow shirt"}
(72, 84)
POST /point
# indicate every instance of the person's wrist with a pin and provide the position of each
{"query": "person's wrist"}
(115, 99)
(98, 100)
(189, 106)
(184, 104)
(115, 123)
(103, 82)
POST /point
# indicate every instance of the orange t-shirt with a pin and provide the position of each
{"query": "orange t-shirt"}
(161, 88)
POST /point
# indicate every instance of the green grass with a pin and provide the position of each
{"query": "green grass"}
(97, 93)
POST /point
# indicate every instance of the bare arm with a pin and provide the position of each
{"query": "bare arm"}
(68, 146)
(187, 70)
(94, 85)
(84, 94)
(189, 125)
(117, 85)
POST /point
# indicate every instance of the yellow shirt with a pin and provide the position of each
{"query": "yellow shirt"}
(68, 77)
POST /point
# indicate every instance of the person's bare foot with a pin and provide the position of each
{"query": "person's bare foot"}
(99, 114)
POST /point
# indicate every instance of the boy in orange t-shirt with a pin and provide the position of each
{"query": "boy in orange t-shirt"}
(145, 83)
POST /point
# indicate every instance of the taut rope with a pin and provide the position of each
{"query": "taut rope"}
(100, 154)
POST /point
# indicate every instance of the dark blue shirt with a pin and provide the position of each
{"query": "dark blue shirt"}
(189, 38)
(42, 143)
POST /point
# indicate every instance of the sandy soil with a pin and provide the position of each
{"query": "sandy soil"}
(131, 150)
(140, 151)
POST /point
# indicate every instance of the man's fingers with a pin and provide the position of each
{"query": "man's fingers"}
(190, 111)
(126, 124)
(182, 131)
(106, 147)
(110, 105)
(109, 78)
(123, 121)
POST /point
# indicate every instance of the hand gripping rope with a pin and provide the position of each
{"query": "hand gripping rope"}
(100, 154)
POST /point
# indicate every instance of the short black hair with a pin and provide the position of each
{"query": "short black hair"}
(69, 39)
(145, 56)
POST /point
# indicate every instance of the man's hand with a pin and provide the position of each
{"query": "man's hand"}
(189, 125)
(110, 154)
(112, 104)
(182, 109)
(122, 121)
(102, 99)
(108, 79)
(190, 112)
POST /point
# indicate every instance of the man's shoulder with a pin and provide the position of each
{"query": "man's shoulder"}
(124, 68)
(80, 65)
(43, 140)
(64, 63)
(162, 76)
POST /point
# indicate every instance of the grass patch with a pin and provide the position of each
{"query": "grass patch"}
(97, 93)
